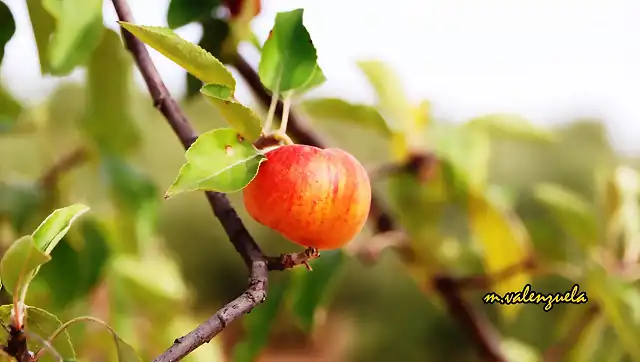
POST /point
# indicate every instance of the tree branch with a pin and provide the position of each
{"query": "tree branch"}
(238, 235)
(480, 329)
(558, 351)
(51, 176)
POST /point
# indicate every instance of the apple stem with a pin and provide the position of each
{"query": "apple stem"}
(286, 106)
(272, 110)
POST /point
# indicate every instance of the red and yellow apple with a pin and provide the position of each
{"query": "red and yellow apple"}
(318, 198)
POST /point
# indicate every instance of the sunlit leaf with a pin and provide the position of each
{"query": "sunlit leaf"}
(241, 118)
(338, 110)
(19, 262)
(289, 59)
(504, 242)
(78, 28)
(43, 324)
(392, 99)
(625, 218)
(43, 25)
(510, 126)
(572, 212)
(312, 289)
(56, 225)
(183, 12)
(82, 261)
(189, 56)
(7, 27)
(220, 161)
(259, 322)
(610, 293)
(215, 33)
(108, 120)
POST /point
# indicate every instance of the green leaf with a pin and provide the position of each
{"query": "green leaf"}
(289, 59)
(18, 263)
(136, 197)
(392, 99)
(78, 28)
(19, 201)
(611, 294)
(510, 126)
(189, 56)
(312, 289)
(7, 27)
(82, 261)
(43, 24)
(572, 212)
(43, 324)
(258, 323)
(108, 120)
(342, 111)
(56, 225)
(215, 33)
(10, 109)
(241, 118)
(183, 12)
(220, 161)
(504, 242)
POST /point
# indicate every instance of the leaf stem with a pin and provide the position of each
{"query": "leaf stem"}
(286, 108)
(272, 110)
(68, 323)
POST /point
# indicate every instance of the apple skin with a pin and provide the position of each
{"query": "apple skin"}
(318, 198)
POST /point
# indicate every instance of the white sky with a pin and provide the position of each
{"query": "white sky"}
(548, 60)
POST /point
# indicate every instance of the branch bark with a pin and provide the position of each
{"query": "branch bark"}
(238, 235)
(479, 328)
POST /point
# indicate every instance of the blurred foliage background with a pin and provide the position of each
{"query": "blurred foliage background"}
(502, 192)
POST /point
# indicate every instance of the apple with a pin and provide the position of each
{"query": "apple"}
(318, 198)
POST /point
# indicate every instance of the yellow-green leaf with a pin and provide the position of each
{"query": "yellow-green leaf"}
(43, 24)
(195, 60)
(504, 242)
(342, 111)
(241, 118)
(19, 262)
(219, 160)
(511, 126)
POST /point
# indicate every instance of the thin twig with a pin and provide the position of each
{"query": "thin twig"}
(238, 235)
(479, 328)
(73, 159)
(559, 350)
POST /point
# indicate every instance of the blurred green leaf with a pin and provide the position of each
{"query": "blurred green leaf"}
(183, 12)
(43, 324)
(289, 59)
(626, 209)
(43, 24)
(139, 279)
(214, 35)
(241, 118)
(510, 126)
(338, 110)
(504, 241)
(311, 289)
(611, 294)
(259, 322)
(56, 225)
(10, 109)
(572, 212)
(82, 263)
(588, 342)
(78, 28)
(7, 27)
(136, 197)
(219, 160)
(19, 201)
(392, 99)
(108, 120)
(189, 56)
(18, 263)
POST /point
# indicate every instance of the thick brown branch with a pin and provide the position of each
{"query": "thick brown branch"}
(233, 226)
